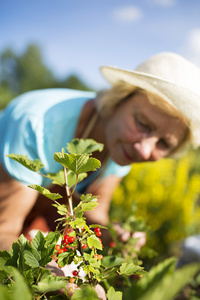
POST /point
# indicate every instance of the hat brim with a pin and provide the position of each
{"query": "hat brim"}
(168, 91)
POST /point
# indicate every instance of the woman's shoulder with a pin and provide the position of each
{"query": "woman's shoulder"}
(40, 101)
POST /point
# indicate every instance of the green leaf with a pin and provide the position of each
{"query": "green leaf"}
(6, 266)
(22, 240)
(45, 192)
(78, 222)
(168, 286)
(158, 272)
(61, 209)
(44, 249)
(71, 161)
(92, 164)
(94, 241)
(32, 258)
(35, 165)
(14, 253)
(88, 198)
(112, 295)
(51, 283)
(38, 241)
(88, 206)
(82, 146)
(112, 261)
(52, 238)
(88, 202)
(5, 293)
(24, 244)
(92, 260)
(65, 258)
(4, 258)
(30, 275)
(71, 178)
(21, 290)
(130, 269)
(77, 163)
(90, 268)
(86, 292)
(59, 178)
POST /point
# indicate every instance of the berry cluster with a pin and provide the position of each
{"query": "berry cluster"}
(98, 231)
(65, 244)
(70, 242)
(98, 256)
(73, 279)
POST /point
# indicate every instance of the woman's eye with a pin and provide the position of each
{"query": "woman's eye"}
(143, 125)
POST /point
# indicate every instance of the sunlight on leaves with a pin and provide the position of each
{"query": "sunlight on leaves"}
(81, 146)
(45, 192)
(35, 165)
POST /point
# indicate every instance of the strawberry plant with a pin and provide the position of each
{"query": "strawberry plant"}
(26, 271)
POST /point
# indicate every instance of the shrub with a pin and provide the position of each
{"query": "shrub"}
(166, 195)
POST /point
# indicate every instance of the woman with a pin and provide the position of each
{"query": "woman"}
(148, 114)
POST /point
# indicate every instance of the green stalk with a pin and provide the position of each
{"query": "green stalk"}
(69, 196)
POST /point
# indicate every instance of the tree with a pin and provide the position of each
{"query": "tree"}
(74, 82)
(21, 73)
(27, 71)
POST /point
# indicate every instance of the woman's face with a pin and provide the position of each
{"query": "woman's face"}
(138, 131)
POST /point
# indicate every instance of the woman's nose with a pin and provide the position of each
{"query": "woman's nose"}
(145, 148)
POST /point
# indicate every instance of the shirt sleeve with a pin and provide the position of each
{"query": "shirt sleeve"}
(20, 138)
(115, 169)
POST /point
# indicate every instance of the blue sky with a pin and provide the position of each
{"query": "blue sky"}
(81, 35)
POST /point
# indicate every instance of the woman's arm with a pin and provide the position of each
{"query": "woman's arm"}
(16, 201)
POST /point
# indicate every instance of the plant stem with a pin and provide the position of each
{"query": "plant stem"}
(69, 196)
(11, 279)
(75, 184)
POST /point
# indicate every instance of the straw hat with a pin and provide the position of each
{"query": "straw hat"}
(171, 77)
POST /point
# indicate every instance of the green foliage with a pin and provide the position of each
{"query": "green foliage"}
(59, 178)
(35, 165)
(81, 146)
(165, 194)
(6, 96)
(162, 282)
(19, 289)
(87, 292)
(77, 163)
(74, 82)
(130, 269)
(112, 295)
(50, 284)
(94, 241)
(27, 71)
(87, 203)
(22, 270)
(45, 192)
(24, 72)
(112, 261)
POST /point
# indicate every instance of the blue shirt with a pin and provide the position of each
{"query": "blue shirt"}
(40, 123)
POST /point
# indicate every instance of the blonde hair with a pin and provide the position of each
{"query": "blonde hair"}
(107, 100)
